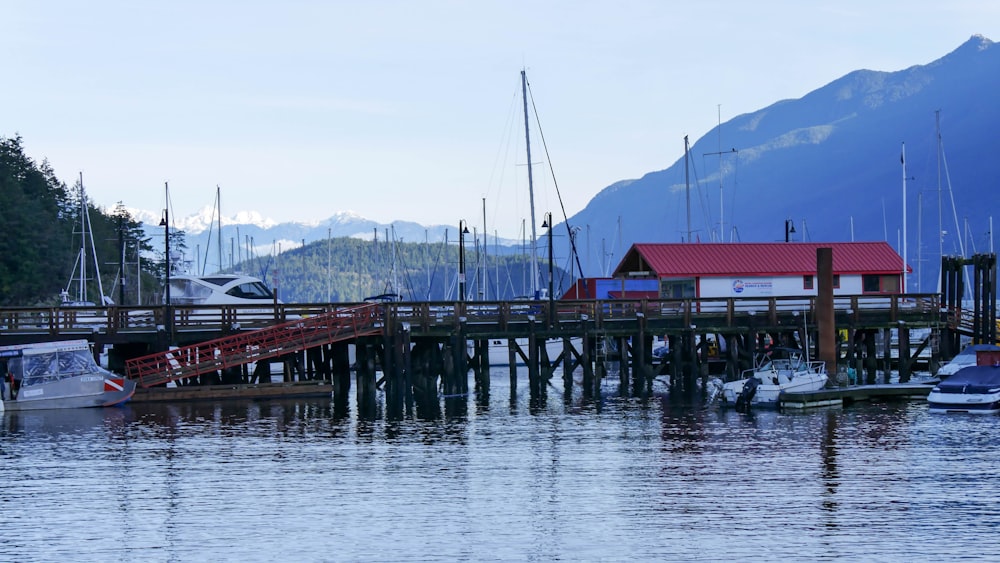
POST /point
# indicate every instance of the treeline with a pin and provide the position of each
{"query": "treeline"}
(350, 270)
(40, 237)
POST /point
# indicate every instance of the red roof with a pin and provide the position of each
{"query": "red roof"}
(761, 259)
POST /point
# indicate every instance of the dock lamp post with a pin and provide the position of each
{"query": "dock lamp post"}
(789, 229)
(463, 230)
(168, 314)
(548, 224)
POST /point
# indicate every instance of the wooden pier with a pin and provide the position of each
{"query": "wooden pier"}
(416, 353)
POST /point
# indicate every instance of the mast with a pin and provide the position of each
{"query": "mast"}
(902, 160)
(531, 189)
(937, 132)
(218, 199)
(81, 295)
(486, 286)
(722, 215)
(687, 188)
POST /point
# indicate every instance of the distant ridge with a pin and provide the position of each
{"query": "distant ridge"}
(829, 161)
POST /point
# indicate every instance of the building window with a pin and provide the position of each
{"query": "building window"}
(836, 281)
(807, 282)
(870, 284)
(880, 284)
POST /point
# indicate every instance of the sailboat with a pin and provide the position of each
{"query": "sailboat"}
(499, 349)
(80, 277)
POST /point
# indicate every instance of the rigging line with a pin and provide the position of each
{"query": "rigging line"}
(706, 208)
(208, 244)
(697, 185)
(555, 183)
(503, 154)
(434, 271)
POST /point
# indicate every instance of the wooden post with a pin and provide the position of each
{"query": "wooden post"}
(534, 377)
(826, 347)
(903, 344)
(567, 370)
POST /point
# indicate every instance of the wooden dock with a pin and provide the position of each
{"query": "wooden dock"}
(845, 396)
(283, 390)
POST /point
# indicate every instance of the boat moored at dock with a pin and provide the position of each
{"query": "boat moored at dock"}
(59, 375)
(973, 390)
(785, 370)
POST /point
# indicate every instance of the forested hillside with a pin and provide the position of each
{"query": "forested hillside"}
(40, 235)
(349, 270)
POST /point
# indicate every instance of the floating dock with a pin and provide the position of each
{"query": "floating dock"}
(284, 390)
(844, 396)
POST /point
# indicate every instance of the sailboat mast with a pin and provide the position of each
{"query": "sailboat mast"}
(486, 286)
(937, 133)
(687, 188)
(902, 160)
(89, 230)
(531, 189)
(218, 200)
(81, 296)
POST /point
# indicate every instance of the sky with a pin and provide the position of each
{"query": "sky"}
(411, 110)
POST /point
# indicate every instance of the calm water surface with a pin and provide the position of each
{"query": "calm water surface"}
(508, 480)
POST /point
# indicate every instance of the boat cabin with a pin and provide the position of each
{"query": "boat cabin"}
(219, 289)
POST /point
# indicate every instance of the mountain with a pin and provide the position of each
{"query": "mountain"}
(249, 233)
(831, 162)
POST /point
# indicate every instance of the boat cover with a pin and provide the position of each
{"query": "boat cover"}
(972, 380)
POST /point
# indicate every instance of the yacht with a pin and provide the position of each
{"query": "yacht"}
(219, 289)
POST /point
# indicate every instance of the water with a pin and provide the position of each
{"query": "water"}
(511, 480)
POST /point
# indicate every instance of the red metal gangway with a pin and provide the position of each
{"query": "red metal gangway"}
(270, 342)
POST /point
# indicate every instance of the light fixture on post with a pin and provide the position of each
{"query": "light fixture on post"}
(463, 230)
(548, 224)
(789, 229)
(165, 223)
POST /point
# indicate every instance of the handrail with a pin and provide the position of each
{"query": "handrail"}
(82, 320)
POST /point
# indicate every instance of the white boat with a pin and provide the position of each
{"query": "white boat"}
(973, 389)
(59, 375)
(499, 350)
(964, 359)
(219, 289)
(781, 370)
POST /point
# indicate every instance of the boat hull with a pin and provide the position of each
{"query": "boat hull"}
(769, 394)
(978, 403)
(77, 392)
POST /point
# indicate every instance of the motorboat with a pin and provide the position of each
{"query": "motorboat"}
(58, 375)
(780, 370)
(964, 359)
(972, 389)
(245, 300)
(219, 289)
(499, 350)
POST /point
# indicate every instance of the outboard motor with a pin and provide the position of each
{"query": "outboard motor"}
(715, 384)
(745, 397)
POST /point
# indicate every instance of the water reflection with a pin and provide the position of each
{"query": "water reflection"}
(662, 478)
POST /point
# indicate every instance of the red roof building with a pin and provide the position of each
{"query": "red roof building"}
(761, 269)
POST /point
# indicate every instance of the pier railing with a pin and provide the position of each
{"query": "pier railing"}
(499, 314)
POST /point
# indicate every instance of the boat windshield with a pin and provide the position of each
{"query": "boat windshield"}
(50, 365)
(251, 290)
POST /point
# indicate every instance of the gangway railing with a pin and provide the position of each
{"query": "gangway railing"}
(238, 349)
